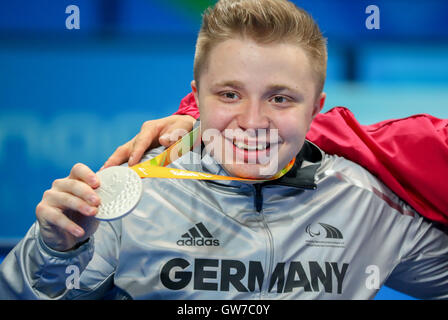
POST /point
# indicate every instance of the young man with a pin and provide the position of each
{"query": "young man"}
(326, 229)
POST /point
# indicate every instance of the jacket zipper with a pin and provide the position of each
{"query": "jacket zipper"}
(258, 202)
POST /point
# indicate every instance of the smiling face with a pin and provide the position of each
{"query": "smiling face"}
(258, 101)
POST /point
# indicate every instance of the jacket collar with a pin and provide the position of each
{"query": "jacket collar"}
(302, 174)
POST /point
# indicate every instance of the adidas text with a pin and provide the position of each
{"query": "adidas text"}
(198, 242)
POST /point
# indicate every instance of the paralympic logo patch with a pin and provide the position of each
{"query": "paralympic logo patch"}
(324, 235)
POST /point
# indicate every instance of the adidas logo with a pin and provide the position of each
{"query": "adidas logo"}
(197, 236)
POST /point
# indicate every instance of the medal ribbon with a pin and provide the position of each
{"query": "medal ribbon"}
(156, 167)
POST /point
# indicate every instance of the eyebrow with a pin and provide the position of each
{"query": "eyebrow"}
(281, 87)
(229, 83)
(275, 88)
(238, 84)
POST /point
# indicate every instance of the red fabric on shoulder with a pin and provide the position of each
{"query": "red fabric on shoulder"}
(188, 106)
(409, 155)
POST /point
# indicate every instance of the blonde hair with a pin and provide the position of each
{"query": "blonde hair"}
(264, 21)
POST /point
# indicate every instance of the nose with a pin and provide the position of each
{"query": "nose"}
(253, 116)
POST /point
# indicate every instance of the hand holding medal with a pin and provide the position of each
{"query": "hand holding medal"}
(66, 214)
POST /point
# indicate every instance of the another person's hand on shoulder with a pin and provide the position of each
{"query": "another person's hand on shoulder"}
(66, 214)
(153, 133)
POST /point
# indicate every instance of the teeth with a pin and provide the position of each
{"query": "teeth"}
(242, 145)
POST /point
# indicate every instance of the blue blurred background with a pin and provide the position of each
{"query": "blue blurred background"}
(71, 96)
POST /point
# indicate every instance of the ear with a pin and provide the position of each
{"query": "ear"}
(194, 88)
(319, 104)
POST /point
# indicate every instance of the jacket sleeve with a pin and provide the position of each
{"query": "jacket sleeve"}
(423, 268)
(32, 270)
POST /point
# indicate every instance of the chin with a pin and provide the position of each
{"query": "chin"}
(250, 171)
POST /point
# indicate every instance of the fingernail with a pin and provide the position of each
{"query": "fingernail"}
(131, 159)
(77, 232)
(93, 180)
(93, 199)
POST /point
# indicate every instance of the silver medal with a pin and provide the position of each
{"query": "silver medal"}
(120, 190)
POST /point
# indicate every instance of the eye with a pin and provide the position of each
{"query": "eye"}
(280, 99)
(229, 95)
